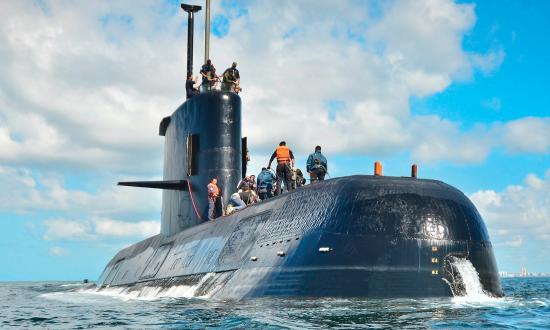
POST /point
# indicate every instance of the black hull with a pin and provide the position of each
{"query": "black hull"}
(358, 236)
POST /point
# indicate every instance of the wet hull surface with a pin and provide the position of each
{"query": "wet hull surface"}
(358, 236)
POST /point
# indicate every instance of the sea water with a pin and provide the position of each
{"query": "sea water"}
(58, 305)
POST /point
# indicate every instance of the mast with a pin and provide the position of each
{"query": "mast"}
(190, 9)
(207, 32)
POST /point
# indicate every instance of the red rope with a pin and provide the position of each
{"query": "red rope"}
(192, 199)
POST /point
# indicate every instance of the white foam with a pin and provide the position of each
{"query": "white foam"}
(73, 285)
(143, 293)
(474, 290)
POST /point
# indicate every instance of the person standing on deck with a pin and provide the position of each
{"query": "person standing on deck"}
(265, 183)
(213, 198)
(190, 87)
(208, 73)
(316, 165)
(285, 163)
(231, 79)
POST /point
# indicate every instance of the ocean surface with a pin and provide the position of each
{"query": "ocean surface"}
(58, 305)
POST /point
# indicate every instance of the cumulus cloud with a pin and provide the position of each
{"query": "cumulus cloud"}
(24, 191)
(108, 227)
(527, 135)
(73, 95)
(513, 242)
(97, 229)
(66, 229)
(85, 84)
(387, 58)
(489, 62)
(445, 141)
(518, 213)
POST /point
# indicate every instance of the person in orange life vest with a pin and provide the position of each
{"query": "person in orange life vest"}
(285, 158)
(213, 198)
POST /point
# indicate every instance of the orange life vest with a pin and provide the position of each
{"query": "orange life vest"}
(213, 190)
(283, 154)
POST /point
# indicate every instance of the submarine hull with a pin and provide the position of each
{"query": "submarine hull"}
(356, 236)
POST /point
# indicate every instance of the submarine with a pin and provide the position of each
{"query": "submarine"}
(352, 236)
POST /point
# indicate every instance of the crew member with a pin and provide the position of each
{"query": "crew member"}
(190, 87)
(316, 165)
(247, 195)
(285, 158)
(213, 198)
(252, 183)
(238, 203)
(231, 79)
(243, 182)
(265, 183)
(208, 72)
(298, 179)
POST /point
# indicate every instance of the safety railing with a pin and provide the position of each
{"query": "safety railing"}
(217, 85)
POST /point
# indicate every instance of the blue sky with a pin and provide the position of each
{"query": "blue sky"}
(460, 88)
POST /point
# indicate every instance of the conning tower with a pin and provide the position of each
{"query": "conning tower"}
(202, 141)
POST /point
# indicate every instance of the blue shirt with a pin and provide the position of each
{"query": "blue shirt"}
(316, 160)
(206, 69)
(265, 179)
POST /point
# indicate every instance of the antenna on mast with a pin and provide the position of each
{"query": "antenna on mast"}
(207, 32)
(190, 9)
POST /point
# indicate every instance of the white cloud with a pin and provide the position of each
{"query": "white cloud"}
(445, 141)
(24, 191)
(426, 35)
(98, 229)
(518, 213)
(514, 242)
(528, 135)
(86, 84)
(108, 227)
(57, 251)
(489, 62)
(83, 214)
(67, 229)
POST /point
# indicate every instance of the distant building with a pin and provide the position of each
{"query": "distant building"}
(523, 272)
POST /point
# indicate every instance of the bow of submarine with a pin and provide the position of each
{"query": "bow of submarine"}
(368, 236)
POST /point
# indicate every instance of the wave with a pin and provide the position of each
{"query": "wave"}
(143, 292)
(70, 285)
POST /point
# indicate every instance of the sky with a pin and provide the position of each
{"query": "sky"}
(459, 88)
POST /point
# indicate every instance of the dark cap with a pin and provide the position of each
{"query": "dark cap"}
(318, 148)
(283, 143)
